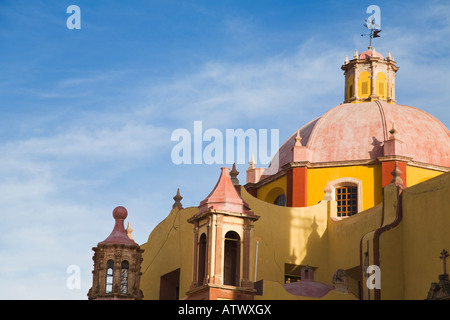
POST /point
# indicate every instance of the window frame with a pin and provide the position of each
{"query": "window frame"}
(109, 285)
(347, 182)
(124, 275)
(343, 194)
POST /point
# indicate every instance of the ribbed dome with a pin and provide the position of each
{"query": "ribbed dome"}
(357, 131)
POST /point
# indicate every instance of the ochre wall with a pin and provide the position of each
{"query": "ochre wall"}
(370, 175)
(169, 247)
(410, 239)
(426, 232)
(415, 175)
(408, 252)
(272, 190)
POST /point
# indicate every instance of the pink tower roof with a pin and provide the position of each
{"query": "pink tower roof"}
(369, 53)
(224, 197)
(357, 131)
(119, 234)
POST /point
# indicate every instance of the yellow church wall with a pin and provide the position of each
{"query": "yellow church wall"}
(308, 236)
(369, 175)
(415, 175)
(169, 247)
(408, 252)
(273, 189)
(345, 236)
(411, 238)
(286, 235)
(426, 221)
(391, 260)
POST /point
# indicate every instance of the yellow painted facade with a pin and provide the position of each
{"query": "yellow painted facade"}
(169, 247)
(415, 175)
(272, 190)
(406, 246)
(368, 175)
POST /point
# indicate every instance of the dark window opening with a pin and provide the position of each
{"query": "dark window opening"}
(280, 200)
(201, 259)
(231, 259)
(347, 201)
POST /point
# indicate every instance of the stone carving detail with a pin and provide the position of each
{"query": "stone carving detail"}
(340, 281)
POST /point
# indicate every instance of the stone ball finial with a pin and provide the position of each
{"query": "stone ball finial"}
(120, 213)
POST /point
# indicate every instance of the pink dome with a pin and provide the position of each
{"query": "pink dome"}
(119, 234)
(357, 131)
(369, 53)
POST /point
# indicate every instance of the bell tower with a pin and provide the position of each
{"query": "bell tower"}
(222, 233)
(369, 77)
(117, 264)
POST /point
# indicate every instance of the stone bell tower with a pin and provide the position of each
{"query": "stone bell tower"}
(117, 264)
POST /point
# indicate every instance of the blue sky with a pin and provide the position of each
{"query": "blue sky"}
(86, 115)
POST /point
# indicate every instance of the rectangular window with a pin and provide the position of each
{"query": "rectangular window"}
(346, 208)
(109, 276)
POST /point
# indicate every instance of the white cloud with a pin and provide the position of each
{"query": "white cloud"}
(52, 185)
(224, 93)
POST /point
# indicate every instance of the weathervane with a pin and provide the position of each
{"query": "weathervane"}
(373, 23)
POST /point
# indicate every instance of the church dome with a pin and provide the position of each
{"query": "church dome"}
(370, 53)
(358, 131)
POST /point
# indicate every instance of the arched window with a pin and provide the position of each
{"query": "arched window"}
(347, 201)
(124, 277)
(347, 192)
(280, 200)
(201, 259)
(231, 259)
(109, 276)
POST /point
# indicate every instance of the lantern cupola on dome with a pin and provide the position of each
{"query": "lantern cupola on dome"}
(369, 77)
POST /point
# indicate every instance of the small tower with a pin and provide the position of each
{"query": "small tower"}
(117, 264)
(222, 233)
(369, 77)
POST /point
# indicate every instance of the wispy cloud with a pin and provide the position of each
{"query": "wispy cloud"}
(222, 92)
